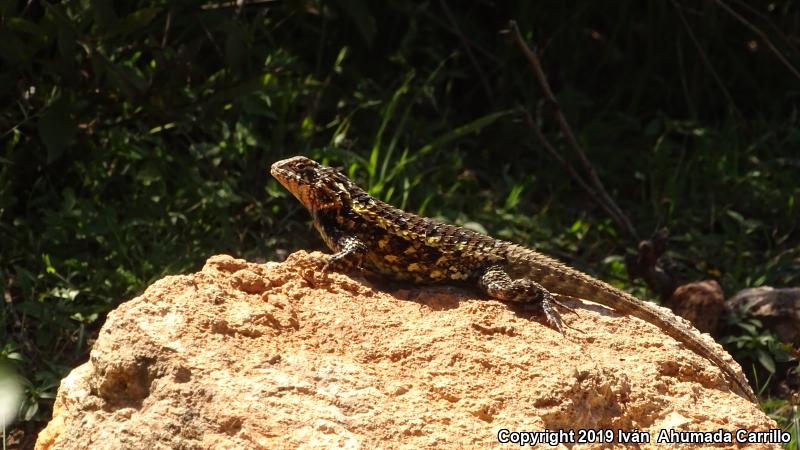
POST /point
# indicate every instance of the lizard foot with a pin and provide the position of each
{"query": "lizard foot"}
(496, 282)
(570, 309)
(551, 315)
(309, 273)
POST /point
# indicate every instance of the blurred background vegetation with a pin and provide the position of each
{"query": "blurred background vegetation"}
(136, 137)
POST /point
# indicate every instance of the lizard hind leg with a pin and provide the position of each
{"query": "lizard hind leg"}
(496, 283)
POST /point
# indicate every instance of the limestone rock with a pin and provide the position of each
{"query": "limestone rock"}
(243, 355)
(779, 309)
(701, 303)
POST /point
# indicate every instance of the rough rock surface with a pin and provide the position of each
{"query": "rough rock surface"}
(243, 355)
(779, 309)
(701, 303)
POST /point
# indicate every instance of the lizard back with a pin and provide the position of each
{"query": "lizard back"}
(406, 246)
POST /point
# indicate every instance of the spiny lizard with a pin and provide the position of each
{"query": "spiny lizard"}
(366, 232)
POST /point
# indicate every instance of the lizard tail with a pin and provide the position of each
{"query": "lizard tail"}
(564, 280)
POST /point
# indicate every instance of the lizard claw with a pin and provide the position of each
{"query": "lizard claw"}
(326, 266)
(557, 317)
(568, 308)
(310, 272)
(550, 313)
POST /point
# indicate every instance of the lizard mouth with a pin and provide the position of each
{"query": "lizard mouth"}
(280, 173)
(277, 169)
(284, 177)
(290, 173)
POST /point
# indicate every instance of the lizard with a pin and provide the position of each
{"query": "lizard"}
(364, 232)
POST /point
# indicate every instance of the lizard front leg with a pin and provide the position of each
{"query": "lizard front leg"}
(498, 284)
(350, 255)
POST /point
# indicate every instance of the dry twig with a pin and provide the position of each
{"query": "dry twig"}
(464, 43)
(761, 35)
(595, 187)
(707, 63)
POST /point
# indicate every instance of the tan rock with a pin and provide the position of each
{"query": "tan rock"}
(701, 303)
(778, 309)
(243, 355)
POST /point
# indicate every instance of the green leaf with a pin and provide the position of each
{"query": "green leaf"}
(25, 26)
(475, 226)
(766, 360)
(56, 129)
(654, 127)
(750, 328)
(64, 293)
(12, 49)
(48, 265)
(377, 145)
(30, 411)
(512, 200)
(471, 127)
(735, 216)
(136, 20)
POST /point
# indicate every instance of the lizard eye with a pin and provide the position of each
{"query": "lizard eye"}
(307, 173)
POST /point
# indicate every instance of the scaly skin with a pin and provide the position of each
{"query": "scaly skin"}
(366, 232)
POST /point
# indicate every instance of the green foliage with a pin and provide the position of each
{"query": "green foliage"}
(787, 417)
(756, 344)
(137, 136)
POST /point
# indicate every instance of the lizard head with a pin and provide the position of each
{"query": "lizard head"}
(316, 186)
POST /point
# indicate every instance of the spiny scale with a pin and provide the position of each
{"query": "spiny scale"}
(364, 231)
